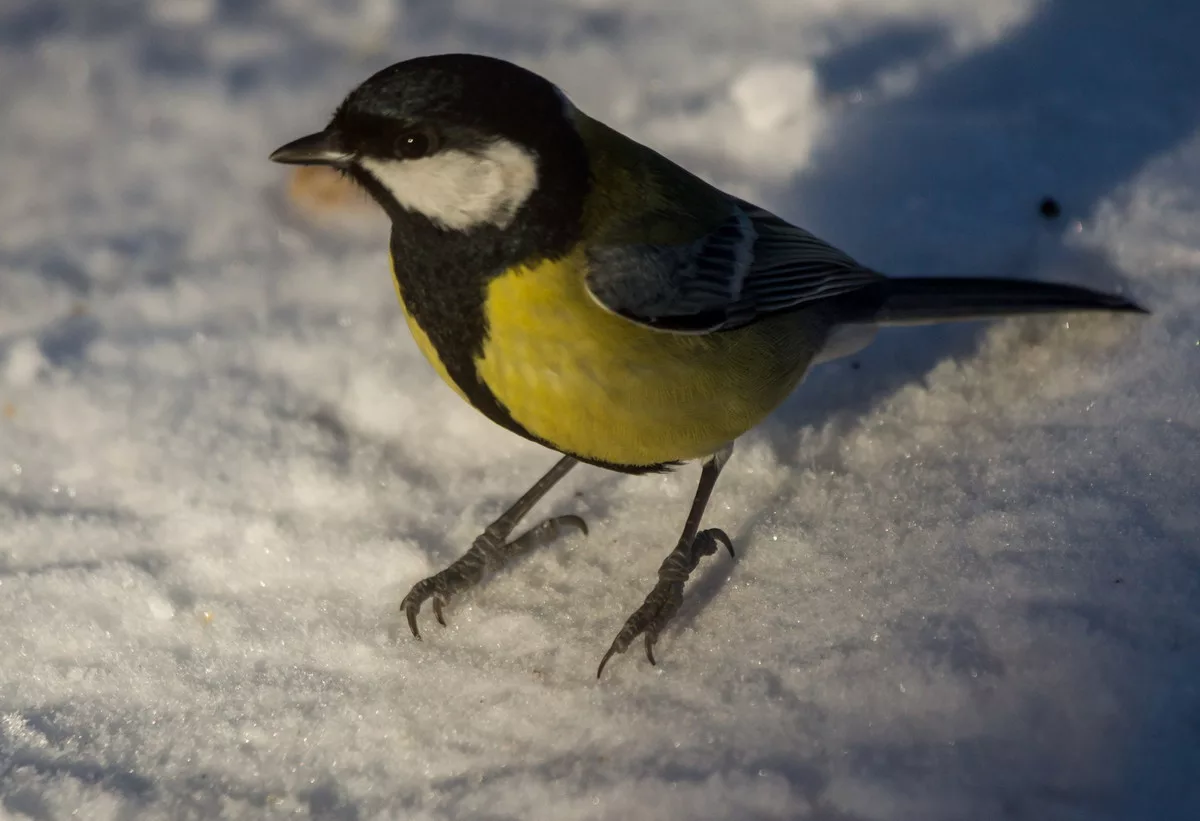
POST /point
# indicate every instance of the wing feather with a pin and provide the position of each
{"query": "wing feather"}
(751, 265)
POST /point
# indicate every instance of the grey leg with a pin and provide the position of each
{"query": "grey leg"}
(492, 549)
(666, 597)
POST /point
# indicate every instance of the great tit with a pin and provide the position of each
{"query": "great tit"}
(588, 294)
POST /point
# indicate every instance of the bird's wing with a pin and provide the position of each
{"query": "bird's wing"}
(751, 265)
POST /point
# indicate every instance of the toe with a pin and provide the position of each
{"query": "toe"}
(411, 608)
(721, 536)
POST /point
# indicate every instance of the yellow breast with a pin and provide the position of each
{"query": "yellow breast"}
(594, 384)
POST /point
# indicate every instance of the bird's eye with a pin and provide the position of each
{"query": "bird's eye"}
(412, 145)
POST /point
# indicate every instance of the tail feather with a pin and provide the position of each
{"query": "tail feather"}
(920, 300)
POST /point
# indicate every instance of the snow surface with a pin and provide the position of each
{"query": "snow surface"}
(968, 584)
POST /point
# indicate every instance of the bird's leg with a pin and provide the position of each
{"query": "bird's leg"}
(492, 549)
(666, 597)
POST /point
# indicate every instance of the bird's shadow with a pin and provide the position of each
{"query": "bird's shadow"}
(1018, 112)
(980, 141)
(895, 170)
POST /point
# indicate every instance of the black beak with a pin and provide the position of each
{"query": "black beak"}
(316, 149)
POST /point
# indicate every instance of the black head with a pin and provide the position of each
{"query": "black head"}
(460, 142)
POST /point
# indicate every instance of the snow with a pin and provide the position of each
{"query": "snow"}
(968, 580)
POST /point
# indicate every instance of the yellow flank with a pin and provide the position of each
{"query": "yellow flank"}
(422, 338)
(594, 384)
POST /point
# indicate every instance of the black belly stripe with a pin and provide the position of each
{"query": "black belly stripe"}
(449, 309)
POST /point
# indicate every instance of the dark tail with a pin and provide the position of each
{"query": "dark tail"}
(929, 299)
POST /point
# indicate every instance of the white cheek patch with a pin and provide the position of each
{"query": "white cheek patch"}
(460, 190)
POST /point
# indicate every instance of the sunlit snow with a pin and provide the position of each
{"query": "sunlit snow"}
(968, 579)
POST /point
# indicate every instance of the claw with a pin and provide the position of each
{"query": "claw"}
(438, 604)
(650, 640)
(411, 610)
(713, 536)
(546, 532)
(574, 521)
(723, 537)
(611, 652)
(411, 605)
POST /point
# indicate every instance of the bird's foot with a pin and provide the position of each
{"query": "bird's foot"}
(666, 597)
(489, 552)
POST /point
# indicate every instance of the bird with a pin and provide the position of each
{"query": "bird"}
(587, 293)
